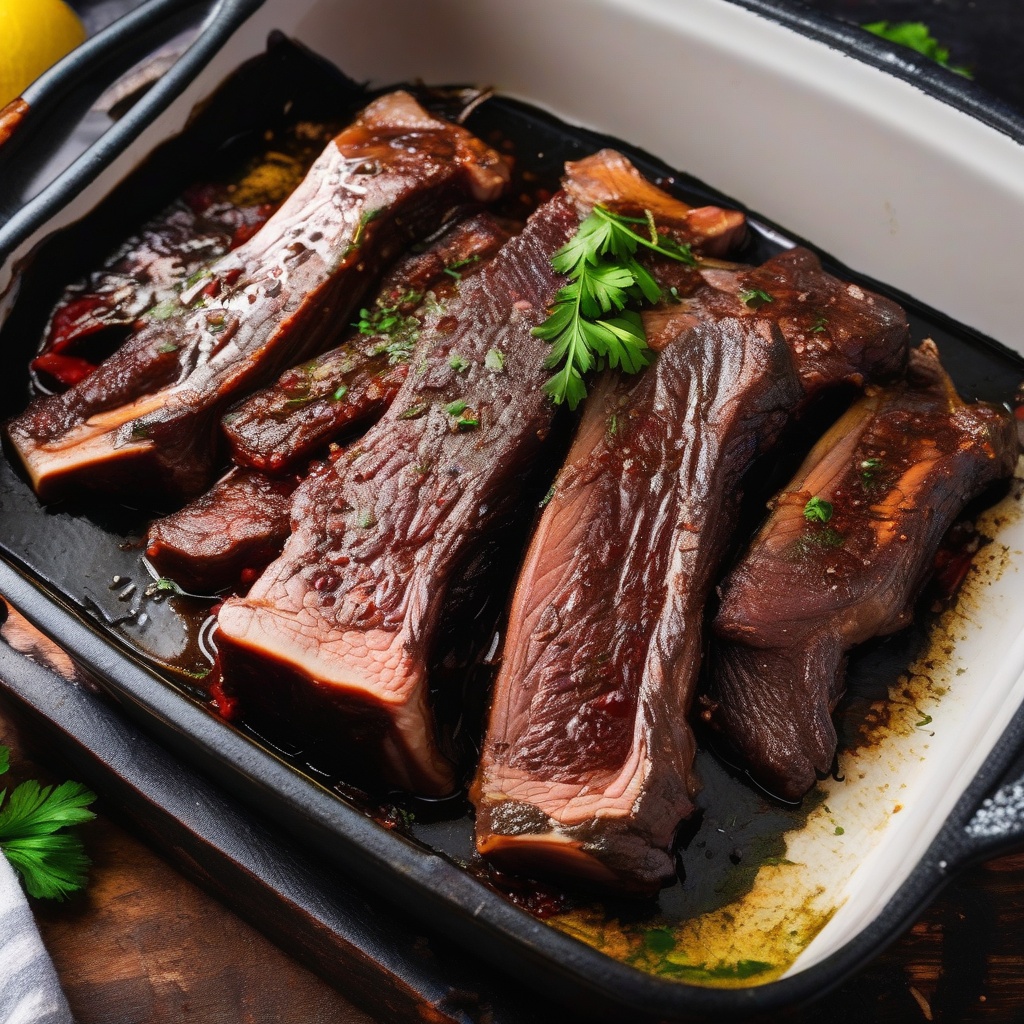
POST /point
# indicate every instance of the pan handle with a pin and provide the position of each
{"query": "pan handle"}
(997, 824)
(58, 101)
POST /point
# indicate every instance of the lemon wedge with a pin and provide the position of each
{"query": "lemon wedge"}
(34, 34)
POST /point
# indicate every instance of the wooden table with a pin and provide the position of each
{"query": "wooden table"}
(144, 945)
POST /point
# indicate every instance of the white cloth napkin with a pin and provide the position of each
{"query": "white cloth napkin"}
(29, 990)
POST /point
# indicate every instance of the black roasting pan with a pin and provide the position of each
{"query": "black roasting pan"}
(958, 784)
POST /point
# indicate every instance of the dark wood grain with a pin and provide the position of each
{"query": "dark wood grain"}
(143, 944)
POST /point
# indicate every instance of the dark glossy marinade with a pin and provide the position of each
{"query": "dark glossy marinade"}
(228, 535)
(895, 471)
(346, 618)
(152, 266)
(87, 551)
(147, 418)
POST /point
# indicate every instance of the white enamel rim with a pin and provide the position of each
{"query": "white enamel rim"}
(886, 178)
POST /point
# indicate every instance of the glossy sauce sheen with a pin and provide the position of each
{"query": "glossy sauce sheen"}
(897, 470)
(87, 553)
(148, 416)
(313, 403)
(231, 533)
(344, 619)
(587, 765)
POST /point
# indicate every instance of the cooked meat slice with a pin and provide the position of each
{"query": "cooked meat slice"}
(896, 470)
(231, 532)
(587, 763)
(838, 331)
(148, 417)
(337, 632)
(311, 404)
(148, 269)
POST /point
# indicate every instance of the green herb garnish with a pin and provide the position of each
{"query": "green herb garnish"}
(163, 586)
(917, 36)
(868, 469)
(340, 393)
(397, 351)
(453, 269)
(589, 324)
(368, 215)
(927, 720)
(840, 830)
(390, 322)
(413, 412)
(494, 360)
(820, 325)
(755, 297)
(817, 510)
(52, 863)
(467, 423)
(458, 363)
(455, 408)
(164, 310)
(820, 537)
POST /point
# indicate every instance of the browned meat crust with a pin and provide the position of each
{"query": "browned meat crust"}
(587, 765)
(337, 631)
(278, 428)
(148, 417)
(897, 469)
(232, 531)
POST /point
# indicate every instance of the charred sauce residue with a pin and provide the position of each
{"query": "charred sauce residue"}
(759, 879)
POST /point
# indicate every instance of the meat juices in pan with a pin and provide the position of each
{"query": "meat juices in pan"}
(149, 269)
(147, 418)
(337, 632)
(240, 526)
(895, 471)
(587, 769)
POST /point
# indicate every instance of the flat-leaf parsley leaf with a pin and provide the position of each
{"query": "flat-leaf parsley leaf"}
(52, 863)
(589, 324)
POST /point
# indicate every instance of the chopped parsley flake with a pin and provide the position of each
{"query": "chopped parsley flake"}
(755, 297)
(817, 510)
(453, 269)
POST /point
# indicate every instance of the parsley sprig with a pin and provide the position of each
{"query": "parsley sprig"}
(51, 862)
(589, 324)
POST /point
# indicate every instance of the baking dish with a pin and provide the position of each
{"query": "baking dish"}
(863, 163)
